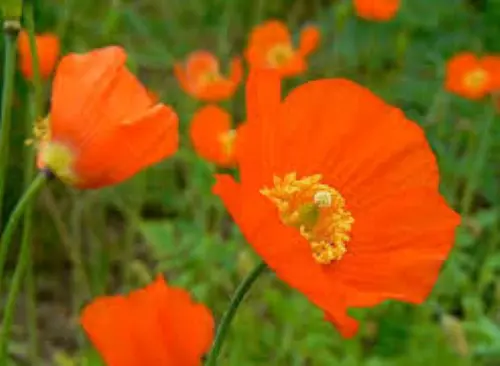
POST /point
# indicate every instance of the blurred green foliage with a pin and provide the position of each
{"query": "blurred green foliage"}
(167, 220)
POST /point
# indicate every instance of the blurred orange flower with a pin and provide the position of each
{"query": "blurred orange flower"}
(342, 202)
(213, 137)
(103, 127)
(200, 77)
(270, 46)
(155, 98)
(47, 45)
(157, 325)
(377, 10)
(472, 77)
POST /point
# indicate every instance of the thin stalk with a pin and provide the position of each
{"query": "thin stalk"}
(259, 11)
(22, 261)
(29, 171)
(9, 72)
(68, 241)
(97, 251)
(78, 298)
(10, 307)
(65, 18)
(138, 187)
(223, 39)
(225, 323)
(6, 239)
(477, 164)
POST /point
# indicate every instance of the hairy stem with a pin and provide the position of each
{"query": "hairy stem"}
(225, 323)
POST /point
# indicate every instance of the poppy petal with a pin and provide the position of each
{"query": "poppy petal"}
(236, 71)
(47, 47)
(129, 148)
(180, 74)
(264, 37)
(377, 10)
(263, 95)
(208, 125)
(92, 91)
(383, 261)
(491, 65)
(156, 325)
(384, 148)
(184, 314)
(107, 322)
(216, 91)
(199, 63)
(309, 39)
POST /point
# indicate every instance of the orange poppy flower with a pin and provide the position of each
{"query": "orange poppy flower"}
(212, 136)
(342, 202)
(472, 77)
(270, 46)
(103, 127)
(201, 78)
(157, 325)
(47, 46)
(155, 98)
(377, 10)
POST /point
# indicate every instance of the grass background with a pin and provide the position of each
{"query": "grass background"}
(166, 219)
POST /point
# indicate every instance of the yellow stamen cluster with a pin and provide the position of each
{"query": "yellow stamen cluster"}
(316, 210)
(55, 156)
(280, 54)
(41, 131)
(227, 140)
(476, 79)
(59, 158)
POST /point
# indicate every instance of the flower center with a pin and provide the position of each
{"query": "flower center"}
(55, 156)
(59, 158)
(280, 54)
(476, 79)
(208, 78)
(316, 210)
(227, 140)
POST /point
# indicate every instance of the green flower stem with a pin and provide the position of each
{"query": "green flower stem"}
(225, 323)
(29, 170)
(6, 238)
(22, 261)
(9, 72)
(478, 163)
(137, 191)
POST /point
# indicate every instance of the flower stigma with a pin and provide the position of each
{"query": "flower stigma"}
(476, 79)
(317, 210)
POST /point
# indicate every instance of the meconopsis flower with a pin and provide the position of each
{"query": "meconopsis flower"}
(270, 46)
(156, 325)
(341, 201)
(103, 127)
(47, 47)
(200, 77)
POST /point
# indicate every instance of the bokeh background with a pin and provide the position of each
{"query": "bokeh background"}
(89, 243)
